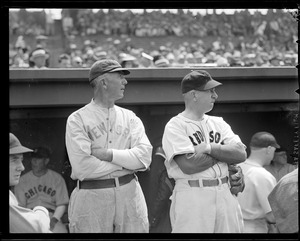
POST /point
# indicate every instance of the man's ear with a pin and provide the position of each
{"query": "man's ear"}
(193, 93)
(103, 83)
(47, 160)
(269, 149)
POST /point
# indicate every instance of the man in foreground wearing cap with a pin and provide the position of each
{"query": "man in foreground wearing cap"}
(45, 187)
(106, 145)
(198, 150)
(259, 183)
(23, 220)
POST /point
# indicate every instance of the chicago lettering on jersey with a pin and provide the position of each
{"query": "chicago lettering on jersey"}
(40, 188)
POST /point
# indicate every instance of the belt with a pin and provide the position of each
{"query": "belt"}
(105, 183)
(208, 182)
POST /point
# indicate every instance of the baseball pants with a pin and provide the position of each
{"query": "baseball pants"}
(256, 226)
(109, 210)
(205, 210)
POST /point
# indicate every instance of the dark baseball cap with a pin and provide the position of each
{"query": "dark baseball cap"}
(15, 146)
(41, 152)
(198, 80)
(263, 139)
(106, 66)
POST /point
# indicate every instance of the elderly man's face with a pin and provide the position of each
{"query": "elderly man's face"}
(15, 168)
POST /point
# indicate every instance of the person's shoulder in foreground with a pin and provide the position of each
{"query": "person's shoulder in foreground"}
(284, 203)
(23, 220)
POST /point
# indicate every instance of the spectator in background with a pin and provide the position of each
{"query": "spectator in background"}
(284, 203)
(20, 59)
(49, 24)
(45, 187)
(41, 43)
(259, 183)
(23, 220)
(38, 58)
(242, 30)
(67, 23)
(77, 62)
(279, 166)
(64, 61)
(160, 61)
(128, 61)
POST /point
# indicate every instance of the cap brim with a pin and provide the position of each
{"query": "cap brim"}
(211, 84)
(19, 150)
(276, 146)
(125, 71)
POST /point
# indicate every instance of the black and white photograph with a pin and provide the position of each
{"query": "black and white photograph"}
(153, 121)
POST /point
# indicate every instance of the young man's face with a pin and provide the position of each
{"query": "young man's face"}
(15, 168)
(38, 164)
(280, 157)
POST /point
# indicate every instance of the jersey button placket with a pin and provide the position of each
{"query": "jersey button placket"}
(109, 127)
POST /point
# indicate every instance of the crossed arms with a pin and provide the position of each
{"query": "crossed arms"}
(207, 155)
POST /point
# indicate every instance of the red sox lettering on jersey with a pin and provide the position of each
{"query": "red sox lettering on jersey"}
(198, 137)
(182, 135)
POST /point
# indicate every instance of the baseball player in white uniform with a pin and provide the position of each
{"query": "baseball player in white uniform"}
(199, 148)
(259, 183)
(106, 145)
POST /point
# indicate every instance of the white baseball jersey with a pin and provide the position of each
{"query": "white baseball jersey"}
(254, 199)
(115, 128)
(181, 135)
(120, 209)
(49, 190)
(25, 220)
(200, 209)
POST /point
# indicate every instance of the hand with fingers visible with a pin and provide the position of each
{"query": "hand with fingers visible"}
(236, 179)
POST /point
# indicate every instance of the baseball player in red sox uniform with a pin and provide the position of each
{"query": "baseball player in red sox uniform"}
(106, 145)
(199, 148)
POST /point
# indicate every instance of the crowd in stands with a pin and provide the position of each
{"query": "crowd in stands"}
(222, 40)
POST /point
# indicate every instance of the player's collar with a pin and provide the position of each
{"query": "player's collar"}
(204, 118)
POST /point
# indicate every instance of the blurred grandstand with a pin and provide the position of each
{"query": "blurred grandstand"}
(156, 38)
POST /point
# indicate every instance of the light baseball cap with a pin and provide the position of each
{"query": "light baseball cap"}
(15, 146)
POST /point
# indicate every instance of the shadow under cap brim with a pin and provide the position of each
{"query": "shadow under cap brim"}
(125, 71)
